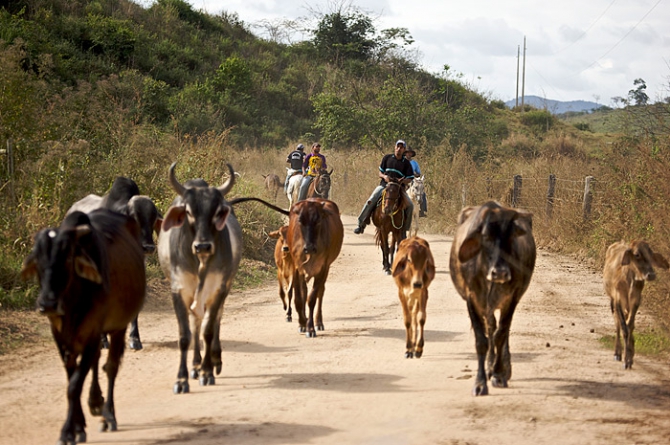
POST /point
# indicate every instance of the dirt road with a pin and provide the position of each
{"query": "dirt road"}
(352, 384)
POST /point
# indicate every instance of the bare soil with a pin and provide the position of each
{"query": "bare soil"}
(352, 384)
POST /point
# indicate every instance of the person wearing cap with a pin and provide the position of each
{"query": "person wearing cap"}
(295, 158)
(313, 164)
(410, 154)
(394, 166)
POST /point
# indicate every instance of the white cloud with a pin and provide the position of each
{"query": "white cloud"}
(575, 49)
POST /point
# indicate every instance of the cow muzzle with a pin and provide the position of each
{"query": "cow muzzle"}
(205, 248)
(148, 248)
(498, 275)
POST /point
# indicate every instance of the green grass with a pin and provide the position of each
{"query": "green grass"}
(653, 342)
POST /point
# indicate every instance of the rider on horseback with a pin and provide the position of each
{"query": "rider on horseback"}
(295, 158)
(394, 167)
(314, 163)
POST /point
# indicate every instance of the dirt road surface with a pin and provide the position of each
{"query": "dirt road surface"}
(352, 384)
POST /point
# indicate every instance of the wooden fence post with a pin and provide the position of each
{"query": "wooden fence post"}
(516, 192)
(550, 195)
(589, 183)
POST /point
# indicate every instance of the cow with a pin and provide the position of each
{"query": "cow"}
(285, 269)
(124, 197)
(293, 189)
(627, 267)
(491, 263)
(413, 270)
(272, 184)
(199, 249)
(315, 235)
(92, 281)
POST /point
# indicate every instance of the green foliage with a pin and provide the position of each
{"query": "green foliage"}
(538, 121)
(345, 35)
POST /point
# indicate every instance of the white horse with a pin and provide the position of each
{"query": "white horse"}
(293, 188)
(415, 192)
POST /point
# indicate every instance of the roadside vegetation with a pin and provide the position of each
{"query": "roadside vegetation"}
(90, 90)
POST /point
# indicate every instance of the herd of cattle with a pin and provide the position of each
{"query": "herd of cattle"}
(92, 280)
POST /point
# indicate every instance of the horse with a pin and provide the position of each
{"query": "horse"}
(415, 192)
(389, 218)
(320, 185)
(272, 184)
(293, 188)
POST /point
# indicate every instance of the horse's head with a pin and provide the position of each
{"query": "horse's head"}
(322, 184)
(392, 197)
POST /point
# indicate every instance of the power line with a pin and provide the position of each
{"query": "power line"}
(587, 29)
(622, 38)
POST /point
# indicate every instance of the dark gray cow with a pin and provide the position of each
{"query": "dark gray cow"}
(124, 197)
(199, 249)
(491, 262)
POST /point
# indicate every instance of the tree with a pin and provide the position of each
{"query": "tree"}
(638, 95)
(345, 34)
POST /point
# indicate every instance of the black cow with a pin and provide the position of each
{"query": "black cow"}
(92, 281)
(124, 197)
(199, 249)
(492, 260)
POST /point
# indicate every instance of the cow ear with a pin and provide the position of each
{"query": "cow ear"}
(274, 234)
(85, 268)
(660, 261)
(470, 247)
(221, 217)
(465, 213)
(399, 267)
(29, 268)
(157, 225)
(174, 217)
(625, 261)
(430, 270)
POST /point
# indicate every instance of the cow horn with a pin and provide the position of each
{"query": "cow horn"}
(225, 188)
(176, 185)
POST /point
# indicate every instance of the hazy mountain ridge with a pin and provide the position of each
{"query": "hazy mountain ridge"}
(556, 106)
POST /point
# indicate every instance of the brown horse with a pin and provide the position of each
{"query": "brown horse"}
(389, 218)
(320, 185)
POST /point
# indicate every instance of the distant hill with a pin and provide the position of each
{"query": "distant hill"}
(556, 106)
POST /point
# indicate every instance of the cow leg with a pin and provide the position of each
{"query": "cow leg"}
(196, 324)
(300, 296)
(502, 368)
(420, 318)
(482, 346)
(319, 303)
(116, 347)
(490, 326)
(95, 399)
(407, 321)
(289, 311)
(134, 341)
(217, 362)
(318, 289)
(622, 330)
(181, 385)
(212, 318)
(74, 428)
(617, 328)
(630, 340)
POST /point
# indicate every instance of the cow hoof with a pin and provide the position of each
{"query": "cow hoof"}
(194, 374)
(289, 319)
(320, 328)
(409, 354)
(181, 388)
(387, 271)
(217, 368)
(207, 380)
(480, 390)
(95, 410)
(81, 437)
(628, 366)
(498, 382)
(135, 344)
(617, 357)
(302, 329)
(310, 334)
(103, 426)
(418, 354)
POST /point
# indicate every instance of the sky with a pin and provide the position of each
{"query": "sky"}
(589, 50)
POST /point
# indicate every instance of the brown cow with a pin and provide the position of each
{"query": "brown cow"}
(273, 184)
(491, 263)
(285, 269)
(92, 281)
(627, 267)
(413, 270)
(315, 235)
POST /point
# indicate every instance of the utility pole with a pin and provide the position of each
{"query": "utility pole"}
(518, 49)
(523, 75)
